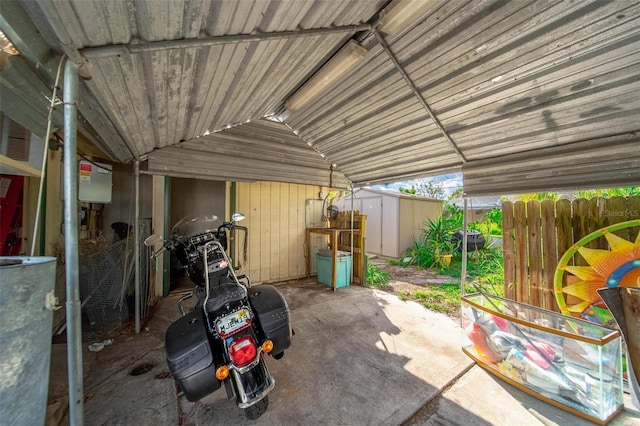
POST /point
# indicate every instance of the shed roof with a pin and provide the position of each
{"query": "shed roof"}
(467, 85)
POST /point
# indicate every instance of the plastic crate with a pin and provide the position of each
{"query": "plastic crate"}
(343, 276)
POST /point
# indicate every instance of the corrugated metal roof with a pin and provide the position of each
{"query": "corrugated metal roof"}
(261, 150)
(164, 97)
(502, 78)
(604, 163)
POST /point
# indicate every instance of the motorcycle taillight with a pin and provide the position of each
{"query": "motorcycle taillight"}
(243, 351)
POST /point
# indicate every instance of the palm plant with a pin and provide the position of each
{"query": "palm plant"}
(438, 239)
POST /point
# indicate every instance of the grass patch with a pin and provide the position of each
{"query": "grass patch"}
(484, 268)
(444, 298)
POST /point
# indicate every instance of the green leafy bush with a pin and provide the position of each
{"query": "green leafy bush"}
(435, 242)
(485, 267)
(377, 277)
(420, 254)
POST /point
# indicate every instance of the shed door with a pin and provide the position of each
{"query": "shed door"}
(372, 207)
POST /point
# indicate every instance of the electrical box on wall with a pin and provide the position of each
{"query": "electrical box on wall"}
(94, 182)
(313, 214)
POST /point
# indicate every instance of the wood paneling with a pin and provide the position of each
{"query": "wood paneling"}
(275, 216)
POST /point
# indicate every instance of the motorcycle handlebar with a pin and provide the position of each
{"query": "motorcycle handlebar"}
(230, 226)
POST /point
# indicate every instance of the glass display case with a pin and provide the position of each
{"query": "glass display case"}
(570, 363)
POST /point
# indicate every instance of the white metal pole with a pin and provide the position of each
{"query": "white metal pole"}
(463, 273)
(136, 247)
(72, 274)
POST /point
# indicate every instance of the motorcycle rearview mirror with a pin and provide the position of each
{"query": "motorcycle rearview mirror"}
(153, 240)
(237, 217)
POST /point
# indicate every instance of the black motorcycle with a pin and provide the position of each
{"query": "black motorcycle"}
(225, 337)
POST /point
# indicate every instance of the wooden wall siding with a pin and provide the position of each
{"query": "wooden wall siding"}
(536, 234)
(276, 220)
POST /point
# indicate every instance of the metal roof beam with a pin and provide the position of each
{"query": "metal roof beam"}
(66, 43)
(24, 87)
(115, 50)
(418, 95)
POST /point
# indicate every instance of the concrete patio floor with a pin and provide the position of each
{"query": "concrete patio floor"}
(359, 357)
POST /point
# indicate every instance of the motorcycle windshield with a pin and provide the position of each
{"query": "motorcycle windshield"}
(189, 226)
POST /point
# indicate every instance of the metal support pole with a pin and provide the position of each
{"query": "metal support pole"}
(136, 247)
(72, 274)
(463, 273)
(166, 265)
(232, 209)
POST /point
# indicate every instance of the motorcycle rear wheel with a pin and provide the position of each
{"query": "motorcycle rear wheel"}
(258, 409)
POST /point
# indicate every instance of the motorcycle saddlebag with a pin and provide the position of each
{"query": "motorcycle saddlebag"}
(272, 314)
(189, 356)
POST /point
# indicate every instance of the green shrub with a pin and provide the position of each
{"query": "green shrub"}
(377, 277)
(435, 241)
(484, 267)
(420, 254)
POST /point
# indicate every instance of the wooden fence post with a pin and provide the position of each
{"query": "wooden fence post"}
(508, 250)
(535, 253)
(522, 273)
(549, 254)
(580, 219)
(616, 212)
(564, 232)
(597, 220)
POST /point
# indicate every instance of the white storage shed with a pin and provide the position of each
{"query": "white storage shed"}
(394, 220)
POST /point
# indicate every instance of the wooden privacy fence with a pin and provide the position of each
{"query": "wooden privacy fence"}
(536, 234)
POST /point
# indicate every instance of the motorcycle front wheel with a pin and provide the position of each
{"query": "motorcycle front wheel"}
(256, 410)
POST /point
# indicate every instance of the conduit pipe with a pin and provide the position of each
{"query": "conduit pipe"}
(44, 159)
(72, 274)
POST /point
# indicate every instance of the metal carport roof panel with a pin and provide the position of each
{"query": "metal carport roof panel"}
(500, 78)
(503, 77)
(260, 150)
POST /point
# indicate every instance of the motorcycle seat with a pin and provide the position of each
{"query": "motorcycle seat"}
(223, 294)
